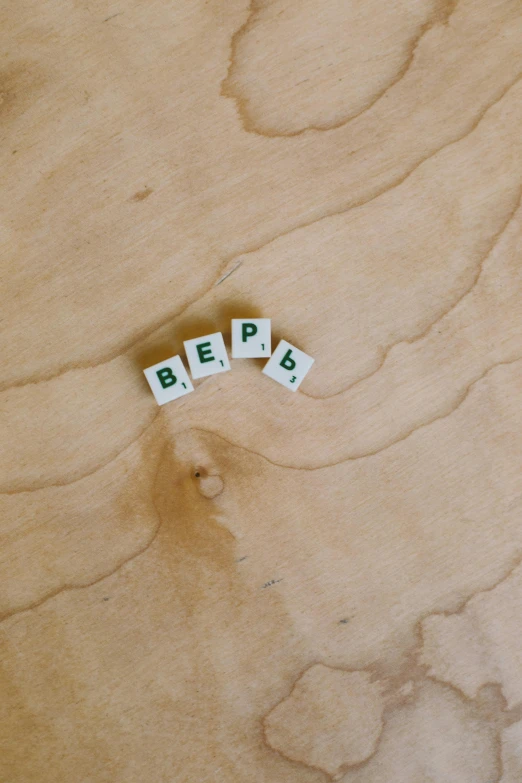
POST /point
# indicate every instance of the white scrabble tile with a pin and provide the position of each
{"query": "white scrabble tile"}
(251, 338)
(168, 380)
(288, 365)
(207, 355)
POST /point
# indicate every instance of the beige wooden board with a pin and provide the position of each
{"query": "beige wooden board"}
(249, 585)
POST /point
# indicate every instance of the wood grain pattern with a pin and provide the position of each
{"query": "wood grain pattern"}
(247, 584)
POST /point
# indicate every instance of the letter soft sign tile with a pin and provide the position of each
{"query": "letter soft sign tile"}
(288, 365)
(168, 380)
(207, 355)
(251, 338)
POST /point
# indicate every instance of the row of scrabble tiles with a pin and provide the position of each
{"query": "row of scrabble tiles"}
(251, 339)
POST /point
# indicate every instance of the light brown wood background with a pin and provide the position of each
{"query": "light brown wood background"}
(339, 594)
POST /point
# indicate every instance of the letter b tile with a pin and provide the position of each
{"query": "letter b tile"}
(168, 380)
(207, 355)
(288, 365)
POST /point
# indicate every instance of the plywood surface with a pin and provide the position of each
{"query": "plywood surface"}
(337, 595)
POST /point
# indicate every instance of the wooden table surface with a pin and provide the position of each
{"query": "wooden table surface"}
(338, 594)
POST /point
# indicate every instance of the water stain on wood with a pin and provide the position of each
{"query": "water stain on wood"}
(351, 171)
(141, 195)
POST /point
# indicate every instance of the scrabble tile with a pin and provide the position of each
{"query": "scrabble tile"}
(251, 338)
(288, 365)
(168, 380)
(207, 355)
